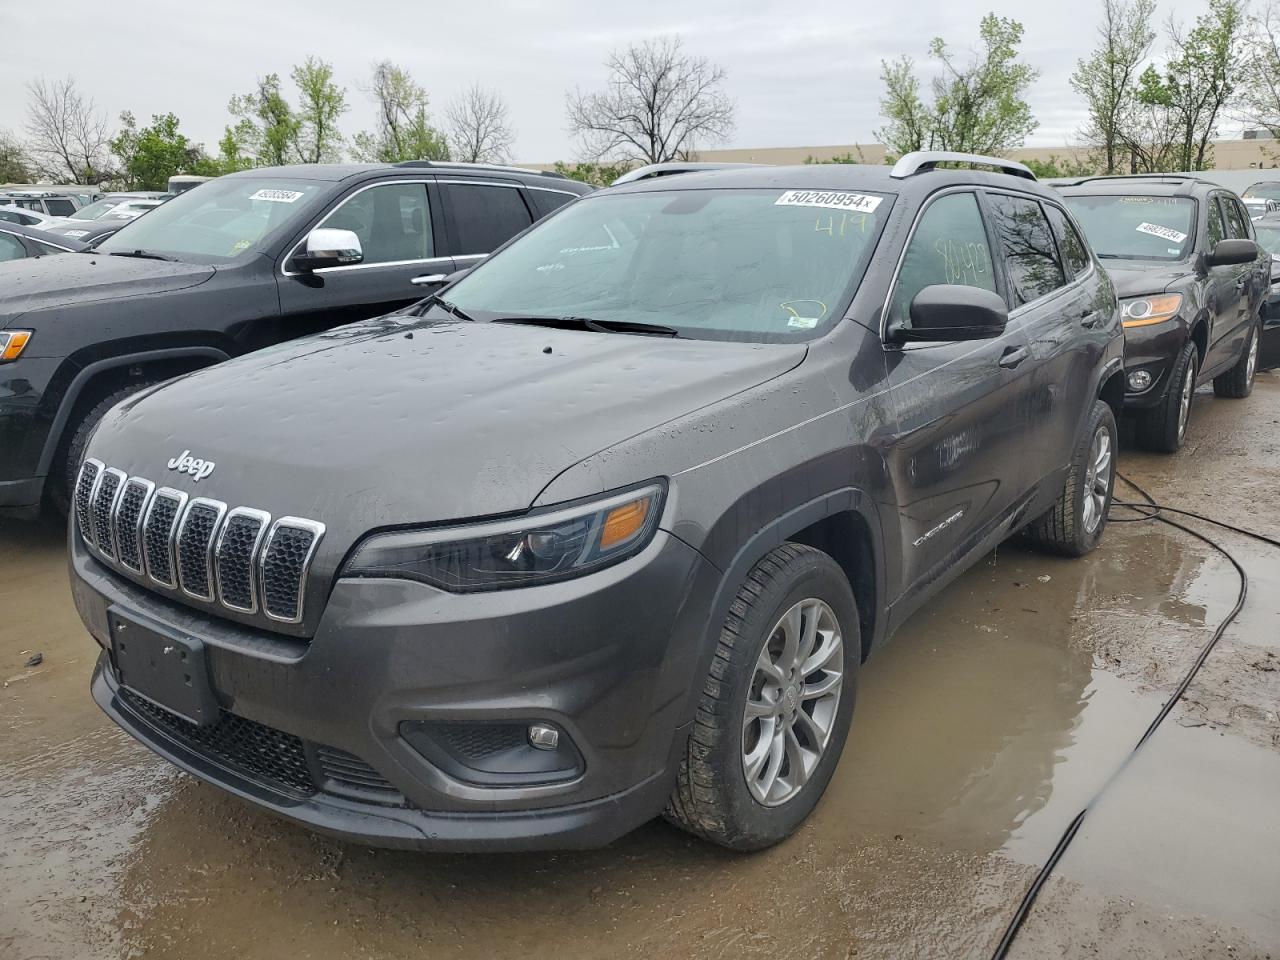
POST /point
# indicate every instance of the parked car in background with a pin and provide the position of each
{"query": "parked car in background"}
(183, 182)
(1259, 207)
(608, 527)
(1262, 190)
(20, 243)
(41, 201)
(110, 202)
(246, 261)
(82, 194)
(22, 216)
(104, 217)
(1192, 282)
(1267, 232)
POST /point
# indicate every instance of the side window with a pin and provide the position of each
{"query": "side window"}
(1237, 222)
(1026, 243)
(484, 217)
(949, 246)
(43, 249)
(547, 201)
(1074, 252)
(391, 220)
(60, 207)
(1216, 230)
(11, 248)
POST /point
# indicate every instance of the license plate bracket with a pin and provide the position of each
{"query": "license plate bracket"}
(163, 666)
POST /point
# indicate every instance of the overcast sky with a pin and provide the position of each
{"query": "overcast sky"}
(802, 75)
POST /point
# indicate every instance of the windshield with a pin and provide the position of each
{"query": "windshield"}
(94, 210)
(1137, 228)
(758, 265)
(1266, 191)
(225, 219)
(1268, 235)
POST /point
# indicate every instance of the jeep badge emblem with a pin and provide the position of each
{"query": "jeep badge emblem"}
(185, 463)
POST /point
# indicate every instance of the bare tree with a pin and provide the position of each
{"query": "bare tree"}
(69, 137)
(661, 104)
(479, 127)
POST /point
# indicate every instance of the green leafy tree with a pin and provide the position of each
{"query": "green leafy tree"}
(977, 107)
(1057, 166)
(1151, 133)
(149, 156)
(588, 171)
(404, 130)
(320, 103)
(15, 165)
(266, 127)
(1108, 78)
(1202, 77)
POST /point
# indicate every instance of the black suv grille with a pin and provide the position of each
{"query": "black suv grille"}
(238, 558)
(250, 748)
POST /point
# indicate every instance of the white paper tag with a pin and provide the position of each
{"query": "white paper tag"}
(1164, 233)
(857, 202)
(276, 196)
(75, 234)
(802, 323)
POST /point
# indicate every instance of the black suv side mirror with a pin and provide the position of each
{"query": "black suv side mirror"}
(327, 247)
(1226, 253)
(947, 312)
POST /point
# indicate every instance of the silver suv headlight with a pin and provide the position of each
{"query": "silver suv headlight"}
(524, 551)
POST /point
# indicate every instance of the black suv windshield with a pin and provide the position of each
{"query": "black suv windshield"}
(757, 265)
(225, 219)
(1136, 227)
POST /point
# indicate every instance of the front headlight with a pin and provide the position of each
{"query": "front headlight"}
(1144, 311)
(521, 552)
(12, 343)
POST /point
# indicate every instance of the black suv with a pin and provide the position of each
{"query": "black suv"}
(608, 526)
(243, 262)
(1192, 283)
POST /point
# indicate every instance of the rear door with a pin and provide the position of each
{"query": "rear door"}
(398, 226)
(963, 409)
(481, 214)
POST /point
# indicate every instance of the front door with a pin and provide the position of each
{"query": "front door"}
(1228, 293)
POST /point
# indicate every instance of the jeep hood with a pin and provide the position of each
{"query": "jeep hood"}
(392, 422)
(1140, 278)
(71, 279)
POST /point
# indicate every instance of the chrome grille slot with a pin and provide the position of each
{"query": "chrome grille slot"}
(159, 525)
(90, 470)
(290, 546)
(128, 522)
(105, 496)
(234, 557)
(196, 535)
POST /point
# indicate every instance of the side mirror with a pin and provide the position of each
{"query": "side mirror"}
(947, 312)
(1226, 253)
(327, 247)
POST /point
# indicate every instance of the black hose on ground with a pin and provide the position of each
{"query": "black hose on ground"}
(1148, 510)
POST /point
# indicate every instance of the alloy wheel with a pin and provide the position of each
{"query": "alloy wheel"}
(1097, 479)
(792, 703)
(1184, 402)
(1252, 367)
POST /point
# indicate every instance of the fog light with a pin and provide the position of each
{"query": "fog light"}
(543, 737)
(1139, 380)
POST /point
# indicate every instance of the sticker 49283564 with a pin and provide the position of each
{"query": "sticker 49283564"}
(1164, 233)
(276, 196)
(857, 202)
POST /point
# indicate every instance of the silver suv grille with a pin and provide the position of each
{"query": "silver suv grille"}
(237, 558)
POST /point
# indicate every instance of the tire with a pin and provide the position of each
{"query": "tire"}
(1073, 526)
(713, 798)
(62, 478)
(1164, 427)
(1237, 383)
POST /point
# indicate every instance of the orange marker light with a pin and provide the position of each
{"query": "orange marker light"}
(11, 344)
(623, 523)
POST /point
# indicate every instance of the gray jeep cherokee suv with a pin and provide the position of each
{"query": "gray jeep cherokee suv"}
(608, 526)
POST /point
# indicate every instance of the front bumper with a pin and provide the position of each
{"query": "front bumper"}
(1154, 349)
(609, 659)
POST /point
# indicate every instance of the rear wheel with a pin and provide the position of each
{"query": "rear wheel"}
(1237, 383)
(1073, 525)
(775, 707)
(1164, 426)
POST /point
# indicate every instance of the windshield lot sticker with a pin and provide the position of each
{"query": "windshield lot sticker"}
(1164, 233)
(276, 196)
(858, 202)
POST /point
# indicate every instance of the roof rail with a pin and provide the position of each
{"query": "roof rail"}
(480, 166)
(1179, 177)
(670, 167)
(921, 160)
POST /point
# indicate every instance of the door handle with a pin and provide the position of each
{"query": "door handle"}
(1013, 356)
(428, 278)
(1090, 318)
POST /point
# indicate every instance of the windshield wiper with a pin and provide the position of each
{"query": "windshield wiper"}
(448, 307)
(596, 326)
(143, 255)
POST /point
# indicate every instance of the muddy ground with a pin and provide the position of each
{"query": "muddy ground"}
(994, 717)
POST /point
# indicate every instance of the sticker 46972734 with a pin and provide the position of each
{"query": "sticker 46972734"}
(1164, 233)
(857, 202)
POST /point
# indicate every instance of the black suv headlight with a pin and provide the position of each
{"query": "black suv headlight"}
(539, 548)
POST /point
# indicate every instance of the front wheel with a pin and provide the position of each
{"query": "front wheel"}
(775, 706)
(1164, 426)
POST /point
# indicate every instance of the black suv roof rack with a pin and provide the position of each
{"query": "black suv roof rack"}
(1167, 177)
(480, 166)
(922, 160)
